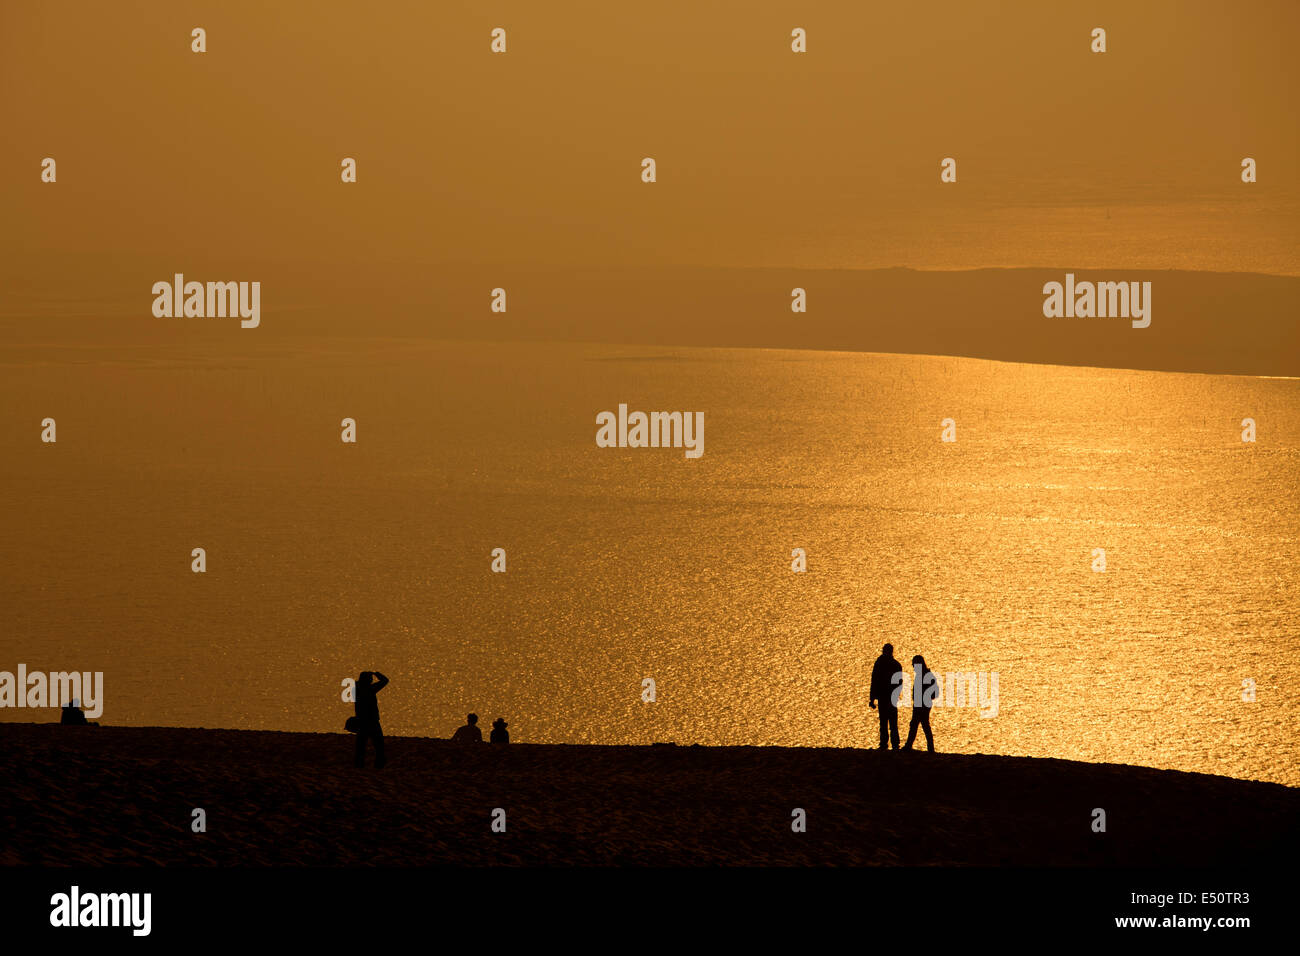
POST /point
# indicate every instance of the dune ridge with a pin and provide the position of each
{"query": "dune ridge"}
(112, 796)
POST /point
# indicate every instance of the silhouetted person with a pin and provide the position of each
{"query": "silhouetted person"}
(469, 734)
(72, 715)
(924, 687)
(367, 706)
(499, 733)
(886, 680)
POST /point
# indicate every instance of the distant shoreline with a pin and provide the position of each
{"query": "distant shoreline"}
(125, 795)
(1238, 323)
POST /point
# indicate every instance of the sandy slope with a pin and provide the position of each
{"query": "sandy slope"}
(125, 795)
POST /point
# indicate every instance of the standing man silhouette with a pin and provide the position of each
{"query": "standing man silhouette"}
(367, 706)
(886, 683)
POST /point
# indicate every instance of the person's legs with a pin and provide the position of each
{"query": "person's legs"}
(380, 759)
(925, 724)
(893, 726)
(884, 726)
(911, 729)
(361, 747)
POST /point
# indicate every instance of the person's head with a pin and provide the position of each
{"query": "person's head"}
(918, 661)
(365, 678)
(500, 722)
(888, 650)
(472, 718)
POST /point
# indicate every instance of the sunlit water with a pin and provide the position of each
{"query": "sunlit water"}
(326, 558)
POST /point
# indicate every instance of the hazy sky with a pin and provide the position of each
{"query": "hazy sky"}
(169, 159)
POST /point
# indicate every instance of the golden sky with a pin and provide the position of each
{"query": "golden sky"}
(170, 159)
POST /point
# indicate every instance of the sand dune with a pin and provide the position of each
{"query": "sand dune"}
(125, 795)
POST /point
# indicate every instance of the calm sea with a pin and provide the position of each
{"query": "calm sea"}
(325, 558)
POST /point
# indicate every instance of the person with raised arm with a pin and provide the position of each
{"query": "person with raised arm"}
(367, 707)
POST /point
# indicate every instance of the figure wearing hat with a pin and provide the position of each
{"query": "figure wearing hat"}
(499, 733)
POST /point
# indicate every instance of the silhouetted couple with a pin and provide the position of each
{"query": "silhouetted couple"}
(470, 734)
(366, 723)
(887, 684)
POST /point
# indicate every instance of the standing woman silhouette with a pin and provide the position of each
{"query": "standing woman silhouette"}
(924, 689)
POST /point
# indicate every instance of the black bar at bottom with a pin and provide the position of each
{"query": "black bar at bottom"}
(644, 906)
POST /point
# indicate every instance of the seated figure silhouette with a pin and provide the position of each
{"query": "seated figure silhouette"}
(367, 708)
(469, 734)
(72, 715)
(499, 733)
(924, 688)
(886, 681)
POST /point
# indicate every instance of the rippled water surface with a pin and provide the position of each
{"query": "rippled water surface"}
(326, 558)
